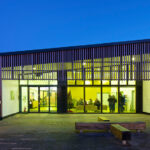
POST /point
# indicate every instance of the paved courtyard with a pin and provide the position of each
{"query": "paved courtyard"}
(57, 132)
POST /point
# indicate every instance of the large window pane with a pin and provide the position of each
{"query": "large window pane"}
(110, 100)
(127, 103)
(75, 99)
(24, 99)
(33, 99)
(44, 99)
(53, 99)
(93, 99)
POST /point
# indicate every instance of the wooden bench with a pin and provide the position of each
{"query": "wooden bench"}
(102, 119)
(87, 126)
(120, 133)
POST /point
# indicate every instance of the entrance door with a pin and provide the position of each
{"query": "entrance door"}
(33, 99)
(53, 99)
(44, 99)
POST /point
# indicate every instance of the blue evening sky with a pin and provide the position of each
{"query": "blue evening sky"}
(37, 24)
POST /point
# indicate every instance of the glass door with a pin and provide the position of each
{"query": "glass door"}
(38, 99)
(44, 99)
(24, 99)
(33, 99)
(53, 99)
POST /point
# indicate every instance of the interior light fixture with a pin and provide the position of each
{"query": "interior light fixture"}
(84, 63)
(87, 82)
(133, 58)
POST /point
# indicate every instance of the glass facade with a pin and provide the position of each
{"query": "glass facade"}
(101, 99)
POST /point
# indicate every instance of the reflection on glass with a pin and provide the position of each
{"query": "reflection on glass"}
(53, 99)
(92, 99)
(110, 100)
(33, 99)
(44, 99)
(75, 100)
(127, 102)
(24, 99)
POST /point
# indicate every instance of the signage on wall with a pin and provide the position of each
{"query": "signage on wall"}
(12, 95)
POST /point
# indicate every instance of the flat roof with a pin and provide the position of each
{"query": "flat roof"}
(73, 47)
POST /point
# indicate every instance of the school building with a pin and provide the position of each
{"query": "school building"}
(99, 78)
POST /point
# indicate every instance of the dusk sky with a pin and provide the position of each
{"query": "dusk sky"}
(37, 24)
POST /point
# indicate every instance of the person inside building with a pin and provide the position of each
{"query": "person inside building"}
(97, 103)
(110, 101)
(90, 102)
(113, 103)
(121, 102)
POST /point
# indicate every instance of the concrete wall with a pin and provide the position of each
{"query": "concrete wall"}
(10, 97)
(146, 96)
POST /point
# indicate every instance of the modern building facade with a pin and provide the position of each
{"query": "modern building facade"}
(100, 78)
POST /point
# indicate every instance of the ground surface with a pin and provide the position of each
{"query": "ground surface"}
(57, 132)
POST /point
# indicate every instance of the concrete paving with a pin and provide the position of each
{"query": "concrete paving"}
(57, 132)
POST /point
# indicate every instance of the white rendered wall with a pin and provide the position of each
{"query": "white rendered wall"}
(146, 96)
(10, 97)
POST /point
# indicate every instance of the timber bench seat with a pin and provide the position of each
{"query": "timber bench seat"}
(120, 133)
(84, 126)
(103, 119)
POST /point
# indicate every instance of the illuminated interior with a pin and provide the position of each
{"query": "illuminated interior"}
(110, 100)
(75, 99)
(88, 98)
(92, 99)
(41, 99)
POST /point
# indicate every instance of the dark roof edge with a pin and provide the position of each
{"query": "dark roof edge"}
(73, 47)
